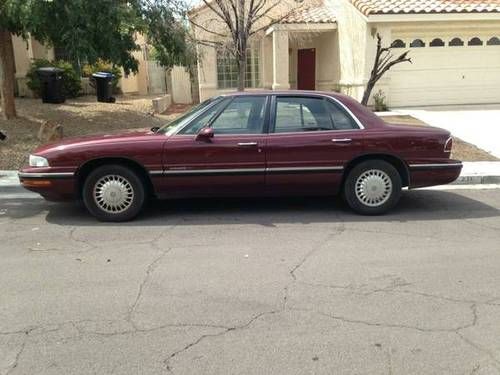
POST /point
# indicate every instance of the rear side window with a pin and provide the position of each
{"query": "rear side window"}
(301, 114)
(341, 120)
(297, 114)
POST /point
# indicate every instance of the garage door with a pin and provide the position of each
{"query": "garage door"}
(455, 70)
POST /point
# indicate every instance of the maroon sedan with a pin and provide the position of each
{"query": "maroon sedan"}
(248, 144)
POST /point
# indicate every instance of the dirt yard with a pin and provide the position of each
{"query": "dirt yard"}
(79, 117)
(86, 116)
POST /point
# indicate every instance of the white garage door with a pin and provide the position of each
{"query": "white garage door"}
(465, 70)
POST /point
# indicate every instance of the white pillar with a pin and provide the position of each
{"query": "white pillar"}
(281, 79)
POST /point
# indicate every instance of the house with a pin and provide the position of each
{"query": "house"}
(330, 45)
(151, 78)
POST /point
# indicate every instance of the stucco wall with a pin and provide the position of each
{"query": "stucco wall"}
(353, 34)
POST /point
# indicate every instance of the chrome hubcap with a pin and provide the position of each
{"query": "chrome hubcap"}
(373, 187)
(113, 194)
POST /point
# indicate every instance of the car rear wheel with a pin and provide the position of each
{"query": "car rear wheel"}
(373, 187)
(113, 193)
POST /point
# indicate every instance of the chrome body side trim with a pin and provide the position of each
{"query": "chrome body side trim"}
(46, 175)
(436, 165)
(229, 171)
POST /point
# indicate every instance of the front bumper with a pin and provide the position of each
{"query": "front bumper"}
(50, 184)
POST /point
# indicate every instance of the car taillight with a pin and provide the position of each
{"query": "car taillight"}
(448, 145)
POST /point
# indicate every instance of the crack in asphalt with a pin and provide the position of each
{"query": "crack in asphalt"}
(167, 360)
(149, 272)
(18, 354)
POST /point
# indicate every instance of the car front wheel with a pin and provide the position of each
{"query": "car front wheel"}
(373, 187)
(113, 193)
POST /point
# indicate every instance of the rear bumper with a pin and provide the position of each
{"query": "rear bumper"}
(53, 186)
(432, 174)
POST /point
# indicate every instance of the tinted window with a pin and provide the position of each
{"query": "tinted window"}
(203, 119)
(301, 114)
(341, 120)
(244, 115)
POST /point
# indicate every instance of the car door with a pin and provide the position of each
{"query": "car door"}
(232, 162)
(311, 140)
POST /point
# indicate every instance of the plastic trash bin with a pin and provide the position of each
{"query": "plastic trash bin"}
(104, 86)
(51, 82)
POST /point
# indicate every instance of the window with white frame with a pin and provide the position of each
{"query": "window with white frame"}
(227, 69)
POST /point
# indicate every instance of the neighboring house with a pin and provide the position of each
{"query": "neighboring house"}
(330, 45)
(150, 79)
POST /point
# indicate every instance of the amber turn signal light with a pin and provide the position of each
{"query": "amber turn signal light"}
(36, 183)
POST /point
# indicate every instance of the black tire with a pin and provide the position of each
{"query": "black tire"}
(383, 202)
(125, 176)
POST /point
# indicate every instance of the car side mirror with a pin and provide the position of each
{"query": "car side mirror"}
(205, 134)
(154, 129)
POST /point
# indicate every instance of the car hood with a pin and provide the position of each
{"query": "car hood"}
(71, 142)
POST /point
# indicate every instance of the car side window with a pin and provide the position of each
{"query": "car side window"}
(300, 114)
(201, 121)
(341, 120)
(244, 115)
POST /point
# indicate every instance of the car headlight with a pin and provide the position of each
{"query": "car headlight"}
(38, 161)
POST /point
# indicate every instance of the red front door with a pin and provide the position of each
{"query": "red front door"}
(306, 69)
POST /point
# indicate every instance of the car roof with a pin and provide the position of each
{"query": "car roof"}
(284, 92)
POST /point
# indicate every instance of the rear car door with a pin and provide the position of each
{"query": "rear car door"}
(311, 140)
(230, 163)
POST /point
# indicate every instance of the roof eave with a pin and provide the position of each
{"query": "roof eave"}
(429, 17)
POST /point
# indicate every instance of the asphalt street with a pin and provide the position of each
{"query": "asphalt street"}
(261, 286)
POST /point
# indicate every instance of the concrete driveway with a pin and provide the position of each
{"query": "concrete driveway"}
(298, 286)
(479, 125)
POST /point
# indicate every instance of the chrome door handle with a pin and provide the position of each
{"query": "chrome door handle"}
(342, 140)
(247, 144)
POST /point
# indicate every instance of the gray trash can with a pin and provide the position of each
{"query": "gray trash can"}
(51, 85)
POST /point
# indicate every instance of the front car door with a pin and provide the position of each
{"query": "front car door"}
(312, 138)
(230, 163)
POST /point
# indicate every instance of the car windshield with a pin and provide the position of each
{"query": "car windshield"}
(182, 120)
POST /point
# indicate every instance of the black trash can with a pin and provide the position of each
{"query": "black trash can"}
(104, 86)
(51, 85)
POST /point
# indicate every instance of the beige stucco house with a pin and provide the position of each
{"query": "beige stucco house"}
(330, 45)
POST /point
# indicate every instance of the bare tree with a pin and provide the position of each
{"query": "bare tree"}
(384, 61)
(238, 21)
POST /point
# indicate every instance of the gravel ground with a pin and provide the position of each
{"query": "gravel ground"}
(78, 116)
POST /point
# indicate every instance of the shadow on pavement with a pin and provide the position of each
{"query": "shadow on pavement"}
(414, 206)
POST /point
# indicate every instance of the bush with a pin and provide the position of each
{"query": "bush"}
(102, 66)
(379, 99)
(72, 85)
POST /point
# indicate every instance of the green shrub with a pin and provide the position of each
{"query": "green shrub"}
(102, 66)
(72, 85)
(379, 98)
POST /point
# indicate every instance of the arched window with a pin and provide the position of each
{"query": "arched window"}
(437, 43)
(417, 43)
(493, 41)
(398, 43)
(456, 42)
(475, 42)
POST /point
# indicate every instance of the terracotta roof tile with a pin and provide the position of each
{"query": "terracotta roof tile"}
(368, 7)
(318, 12)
